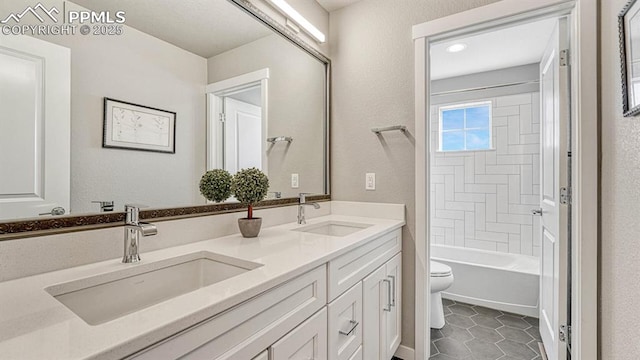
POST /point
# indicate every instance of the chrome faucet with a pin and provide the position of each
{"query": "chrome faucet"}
(301, 205)
(133, 228)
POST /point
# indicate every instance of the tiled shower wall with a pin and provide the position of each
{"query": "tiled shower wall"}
(483, 199)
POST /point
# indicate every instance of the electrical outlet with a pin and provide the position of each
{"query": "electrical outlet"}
(370, 181)
(295, 183)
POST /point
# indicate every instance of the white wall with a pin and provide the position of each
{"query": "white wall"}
(372, 56)
(483, 199)
(295, 108)
(620, 204)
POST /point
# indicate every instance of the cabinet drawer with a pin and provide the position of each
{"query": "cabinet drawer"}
(307, 341)
(263, 356)
(345, 324)
(348, 269)
(244, 330)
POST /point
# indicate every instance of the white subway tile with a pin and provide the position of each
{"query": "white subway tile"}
(506, 111)
(459, 179)
(502, 199)
(469, 224)
(530, 199)
(513, 159)
(459, 233)
(480, 188)
(462, 206)
(492, 179)
(481, 245)
(515, 219)
(510, 100)
(443, 170)
(437, 179)
(524, 149)
(535, 128)
(527, 239)
(450, 236)
(439, 196)
(526, 179)
(514, 244)
(536, 251)
(445, 223)
(514, 189)
(535, 108)
(469, 169)
(514, 130)
(500, 120)
(490, 159)
(449, 187)
(479, 163)
(503, 228)
(530, 139)
(503, 247)
(490, 214)
(480, 217)
(470, 197)
(502, 140)
(450, 214)
(492, 236)
(525, 119)
(521, 209)
(536, 189)
(450, 161)
(536, 169)
(536, 231)
(503, 169)
(437, 231)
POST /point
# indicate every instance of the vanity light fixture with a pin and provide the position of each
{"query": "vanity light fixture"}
(308, 27)
(456, 47)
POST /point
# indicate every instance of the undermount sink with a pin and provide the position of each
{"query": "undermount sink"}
(334, 228)
(109, 296)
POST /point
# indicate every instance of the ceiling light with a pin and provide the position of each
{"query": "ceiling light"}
(285, 8)
(456, 48)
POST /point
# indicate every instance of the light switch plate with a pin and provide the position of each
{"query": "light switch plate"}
(370, 181)
(295, 183)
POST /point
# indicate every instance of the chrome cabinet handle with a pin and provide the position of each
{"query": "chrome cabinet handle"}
(354, 325)
(56, 211)
(393, 299)
(536, 212)
(388, 307)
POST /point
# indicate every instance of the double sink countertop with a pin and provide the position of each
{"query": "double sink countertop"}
(34, 325)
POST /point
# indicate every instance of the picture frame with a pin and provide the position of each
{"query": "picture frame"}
(629, 38)
(131, 126)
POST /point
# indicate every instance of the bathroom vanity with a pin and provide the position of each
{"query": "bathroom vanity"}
(330, 289)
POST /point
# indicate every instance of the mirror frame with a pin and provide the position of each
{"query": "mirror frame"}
(24, 228)
(623, 35)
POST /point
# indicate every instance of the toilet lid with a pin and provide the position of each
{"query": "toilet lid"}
(439, 269)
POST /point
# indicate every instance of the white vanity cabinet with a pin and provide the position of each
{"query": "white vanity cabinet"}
(346, 309)
(382, 310)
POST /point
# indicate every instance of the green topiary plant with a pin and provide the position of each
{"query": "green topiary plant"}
(249, 187)
(215, 185)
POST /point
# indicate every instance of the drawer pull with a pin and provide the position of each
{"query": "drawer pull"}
(393, 299)
(388, 306)
(354, 325)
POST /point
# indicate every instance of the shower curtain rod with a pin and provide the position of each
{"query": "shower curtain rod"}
(485, 88)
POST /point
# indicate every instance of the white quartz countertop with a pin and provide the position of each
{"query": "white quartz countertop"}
(34, 325)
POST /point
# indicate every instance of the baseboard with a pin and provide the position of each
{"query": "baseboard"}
(405, 353)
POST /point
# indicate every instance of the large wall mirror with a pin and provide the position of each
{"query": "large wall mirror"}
(241, 94)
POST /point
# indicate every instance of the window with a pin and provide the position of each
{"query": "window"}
(465, 127)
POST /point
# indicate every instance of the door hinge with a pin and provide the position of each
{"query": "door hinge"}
(564, 334)
(222, 117)
(564, 57)
(565, 195)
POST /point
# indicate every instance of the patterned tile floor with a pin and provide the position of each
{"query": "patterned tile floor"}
(478, 333)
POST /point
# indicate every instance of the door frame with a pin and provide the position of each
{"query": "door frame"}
(215, 93)
(584, 124)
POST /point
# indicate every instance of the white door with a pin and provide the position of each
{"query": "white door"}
(243, 142)
(34, 127)
(554, 95)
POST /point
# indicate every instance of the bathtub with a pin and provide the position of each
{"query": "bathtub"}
(507, 282)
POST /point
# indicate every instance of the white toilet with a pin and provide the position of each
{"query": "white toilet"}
(441, 279)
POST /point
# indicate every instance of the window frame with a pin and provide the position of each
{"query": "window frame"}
(465, 105)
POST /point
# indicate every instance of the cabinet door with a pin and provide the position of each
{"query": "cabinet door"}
(345, 324)
(375, 299)
(263, 356)
(306, 342)
(393, 326)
